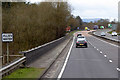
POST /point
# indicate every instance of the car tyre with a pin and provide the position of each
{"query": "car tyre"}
(76, 46)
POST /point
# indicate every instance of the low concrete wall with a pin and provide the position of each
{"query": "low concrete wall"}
(34, 54)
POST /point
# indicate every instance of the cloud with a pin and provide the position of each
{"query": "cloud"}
(95, 8)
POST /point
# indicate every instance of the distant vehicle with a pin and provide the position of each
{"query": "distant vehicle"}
(114, 34)
(102, 34)
(88, 29)
(81, 42)
(79, 34)
(95, 27)
(101, 27)
(68, 29)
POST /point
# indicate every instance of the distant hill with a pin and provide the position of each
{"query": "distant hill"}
(89, 20)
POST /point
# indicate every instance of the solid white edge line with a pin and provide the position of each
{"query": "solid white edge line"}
(106, 42)
(66, 60)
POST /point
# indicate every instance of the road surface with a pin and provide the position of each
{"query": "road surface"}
(99, 60)
(109, 36)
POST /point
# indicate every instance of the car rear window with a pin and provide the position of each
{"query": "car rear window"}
(81, 37)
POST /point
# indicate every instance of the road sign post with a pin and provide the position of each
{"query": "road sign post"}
(7, 52)
(7, 37)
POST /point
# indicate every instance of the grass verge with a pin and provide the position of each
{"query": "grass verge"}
(110, 32)
(72, 32)
(25, 73)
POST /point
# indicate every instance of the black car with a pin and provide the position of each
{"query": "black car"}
(88, 29)
(81, 42)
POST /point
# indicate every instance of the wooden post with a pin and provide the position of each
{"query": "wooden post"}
(1, 36)
(7, 52)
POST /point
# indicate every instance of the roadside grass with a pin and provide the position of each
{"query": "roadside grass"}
(110, 32)
(29, 73)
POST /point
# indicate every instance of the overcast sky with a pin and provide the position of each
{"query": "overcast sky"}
(93, 8)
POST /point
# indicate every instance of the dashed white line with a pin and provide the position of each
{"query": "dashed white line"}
(118, 69)
(105, 55)
(90, 43)
(95, 47)
(66, 60)
(100, 51)
(110, 61)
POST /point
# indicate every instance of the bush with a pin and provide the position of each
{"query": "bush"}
(33, 24)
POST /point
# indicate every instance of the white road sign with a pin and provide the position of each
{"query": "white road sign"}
(7, 37)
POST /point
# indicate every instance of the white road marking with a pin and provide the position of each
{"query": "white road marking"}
(105, 55)
(110, 61)
(100, 51)
(66, 60)
(94, 47)
(118, 69)
(90, 43)
(107, 42)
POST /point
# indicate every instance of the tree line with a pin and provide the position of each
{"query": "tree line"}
(35, 24)
(101, 22)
